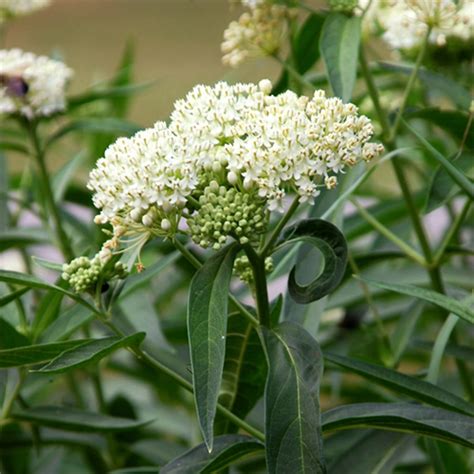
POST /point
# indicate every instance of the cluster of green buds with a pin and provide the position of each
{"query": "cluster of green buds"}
(83, 273)
(346, 6)
(227, 212)
(243, 268)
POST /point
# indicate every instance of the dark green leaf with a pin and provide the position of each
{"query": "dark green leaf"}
(7, 299)
(401, 383)
(292, 418)
(13, 146)
(328, 239)
(48, 311)
(339, 46)
(454, 172)
(71, 419)
(442, 188)
(10, 337)
(72, 319)
(443, 301)
(306, 43)
(95, 125)
(406, 417)
(207, 326)
(31, 355)
(4, 184)
(245, 368)
(227, 449)
(90, 353)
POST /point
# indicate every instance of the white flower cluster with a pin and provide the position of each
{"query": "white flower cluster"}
(31, 85)
(12, 8)
(405, 22)
(236, 135)
(258, 32)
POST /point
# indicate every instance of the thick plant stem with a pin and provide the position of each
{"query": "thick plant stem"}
(260, 280)
(154, 363)
(63, 240)
(196, 263)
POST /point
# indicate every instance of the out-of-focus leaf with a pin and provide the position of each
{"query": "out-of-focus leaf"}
(442, 188)
(18, 238)
(339, 47)
(227, 449)
(7, 299)
(90, 353)
(434, 297)
(68, 322)
(207, 328)
(306, 43)
(454, 172)
(62, 178)
(410, 418)
(10, 337)
(48, 264)
(71, 419)
(31, 355)
(4, 213)
(13, 146)
(401, 383)
(48, 310)
(292, 418)
(328, 239)
(95, 125)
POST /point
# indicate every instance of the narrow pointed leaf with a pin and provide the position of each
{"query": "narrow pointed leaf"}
(227, 449)
(401, 383)
(7, 299)
(329, 240)
(31, 355)
(407, 417)
(90, 353)
(292, 418)
(10, 337)
(443, 301)
(207, 327)
(339, 47)
(71, 419)
(67, 323)
(306, 43)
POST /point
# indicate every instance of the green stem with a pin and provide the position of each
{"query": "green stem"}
(409, 87)
(405, 248)
(195, 262)
(293, 72)
(260, 280)
(279, 227)
(63, 240)
(154, 363)
(8, 405)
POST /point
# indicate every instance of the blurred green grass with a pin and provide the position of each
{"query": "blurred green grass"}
(177, 44)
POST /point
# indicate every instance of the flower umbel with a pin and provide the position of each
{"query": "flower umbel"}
(31, 85)
(13, 8)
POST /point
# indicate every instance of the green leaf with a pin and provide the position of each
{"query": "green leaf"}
(339, 46)
(48, 311)
(48, 264)
(442, 188)
(31, 355)
(207, 326)
(62, 178)
(18, 238)
(10, 337)
(292, 413)
(443, 301)
(328, 239)
(71, 419)
(407, 417)
(90, 353)
(227, 449)
(7, 299)
(4, 183)
(67, 323)
(401, 383)
(13, 146)
(306, 43)
(245, 368)
(95, 125)
(455, 173)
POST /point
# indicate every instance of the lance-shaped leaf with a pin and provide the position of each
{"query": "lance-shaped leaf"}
(207, 327)
(418, 389)
(330, 241)
(10, 337)
(410, 418)
(443, 301)
(306, 43)
(339, 47)
(227, 449)
(31, 355)
(292, 413)
(72, 419)
(89, 353)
